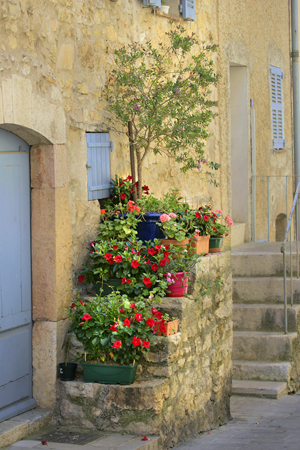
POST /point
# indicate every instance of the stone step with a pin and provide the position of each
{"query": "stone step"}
(263, 290)
(262, 317)
(268, 389)
(262, 371)
(262, 259)
(237, 234)
(263, 346)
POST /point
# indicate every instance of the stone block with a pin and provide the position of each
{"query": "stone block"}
(65, 57)
(49, 166)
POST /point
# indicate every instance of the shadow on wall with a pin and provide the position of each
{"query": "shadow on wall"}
(281, 223)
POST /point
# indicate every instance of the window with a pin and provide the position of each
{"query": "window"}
(277, 107)
(98, 165)
(185, 7)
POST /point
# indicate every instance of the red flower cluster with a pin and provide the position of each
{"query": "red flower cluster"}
(132, 207)
(147, 282)
(126, 281)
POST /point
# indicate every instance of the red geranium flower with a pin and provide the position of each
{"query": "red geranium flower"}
(138, 317)
(114, 247)
(132, 305)
(206, 218)
(113, 328)
(86, 317)
(151, 251)
(117, 344)
(162, 328)
(81, 302)
(102, 211)
(154, 267)
(132, 191)
(198, 215)
(162, 262)
(118, 258)
(154, 311)
(136, 341)
(121, 310)
(108, 256)
(135, 264)
(72, 306)
(91, 244)
(158, 315)
(81, 278)
(127, 323)
(148, 262)
(146, 344)
(147, 282)
(158, 247)
(133, 251)
(122, 196)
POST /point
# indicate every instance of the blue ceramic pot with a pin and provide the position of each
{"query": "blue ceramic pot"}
(147, 230)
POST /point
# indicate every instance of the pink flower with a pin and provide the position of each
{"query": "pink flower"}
(218, 211)
(164, 218)
(229, 220)
(172, 215)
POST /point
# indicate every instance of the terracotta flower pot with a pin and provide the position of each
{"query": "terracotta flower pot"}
(183, 243)
(200, 244)
(215, 244)
(180, 287)
(171, 328)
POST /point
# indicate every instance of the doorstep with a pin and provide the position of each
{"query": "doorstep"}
(114, 441)
(12, 430)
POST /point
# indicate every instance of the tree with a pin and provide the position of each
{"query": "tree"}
(165, 94)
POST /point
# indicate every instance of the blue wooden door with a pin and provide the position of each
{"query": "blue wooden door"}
(15, 278)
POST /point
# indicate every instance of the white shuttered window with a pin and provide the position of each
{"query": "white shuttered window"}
(277, 107)
(98, 165)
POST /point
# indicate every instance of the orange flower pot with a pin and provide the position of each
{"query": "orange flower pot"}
(171, 328)
(200, 244)
(183, 243)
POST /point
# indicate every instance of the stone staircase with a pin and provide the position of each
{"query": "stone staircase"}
(266, 362)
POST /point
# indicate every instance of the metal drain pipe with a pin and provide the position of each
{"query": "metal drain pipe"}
(296, 103)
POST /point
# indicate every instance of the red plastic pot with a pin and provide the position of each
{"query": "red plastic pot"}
(180, 286)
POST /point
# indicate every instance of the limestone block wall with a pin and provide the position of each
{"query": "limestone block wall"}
(184, 382)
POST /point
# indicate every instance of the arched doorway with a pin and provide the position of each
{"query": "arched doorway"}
(15, 277)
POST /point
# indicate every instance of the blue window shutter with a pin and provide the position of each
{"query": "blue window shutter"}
(156, 3)
(188, 9)
(98, 165)
(277, 107)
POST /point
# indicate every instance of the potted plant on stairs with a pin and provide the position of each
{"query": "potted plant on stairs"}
(220, 226)
(67, 369)
(114, 334)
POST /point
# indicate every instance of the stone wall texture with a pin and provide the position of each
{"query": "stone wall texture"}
(184, 382)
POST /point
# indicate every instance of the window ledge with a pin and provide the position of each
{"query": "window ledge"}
(156, 12)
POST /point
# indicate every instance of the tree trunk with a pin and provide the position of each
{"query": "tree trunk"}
(139, 171)
(132, 163)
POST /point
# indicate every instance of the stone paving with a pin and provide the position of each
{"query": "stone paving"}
(258, 424)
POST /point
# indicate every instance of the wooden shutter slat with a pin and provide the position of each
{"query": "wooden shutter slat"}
(156, 3)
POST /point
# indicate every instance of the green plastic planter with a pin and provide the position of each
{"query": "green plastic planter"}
(108, 374)
(215, 244)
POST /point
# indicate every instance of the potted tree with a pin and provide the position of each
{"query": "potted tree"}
(166, 108)
(114, 334)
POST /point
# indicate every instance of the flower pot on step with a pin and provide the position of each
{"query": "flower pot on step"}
(179, 287)
(108, 374)
(215, 244)
(147, 229)
(171, 328)
(183, 243)
(67, 371)
(200, 244)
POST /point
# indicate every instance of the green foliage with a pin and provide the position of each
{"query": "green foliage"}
(182, 260)
(166, 93)
(111, 330)
(119, 226)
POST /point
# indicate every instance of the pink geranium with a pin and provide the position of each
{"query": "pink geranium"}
(229, 220)
(218, 211)
(172, 215)
(164, 218)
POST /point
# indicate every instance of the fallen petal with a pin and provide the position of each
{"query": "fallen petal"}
(145, 438)
(44, 443)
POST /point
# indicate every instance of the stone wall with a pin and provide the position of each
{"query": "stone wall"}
(183, 384)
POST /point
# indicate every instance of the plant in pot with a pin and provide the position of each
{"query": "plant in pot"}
(175, 228)
(67, 369)
(130, 267)
(114, 334)
(182, 262)
(167, 325)
(220, 227)
(163, 107)
(202, 227)
(118, 223)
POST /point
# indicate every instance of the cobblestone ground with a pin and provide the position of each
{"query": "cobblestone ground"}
(258, 424)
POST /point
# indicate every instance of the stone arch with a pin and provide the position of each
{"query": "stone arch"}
(43, 126)
(280, 227)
